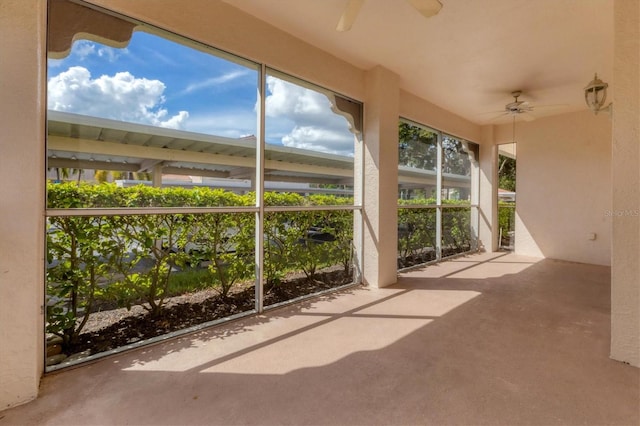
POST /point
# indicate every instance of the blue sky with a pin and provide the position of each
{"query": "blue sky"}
(162, 83)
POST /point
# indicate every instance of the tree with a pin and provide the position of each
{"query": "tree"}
(418, 147)
(132, 175)
(507, 173)
(454, 158)
(101, 176)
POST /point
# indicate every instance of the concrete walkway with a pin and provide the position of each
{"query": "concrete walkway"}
(485, 339)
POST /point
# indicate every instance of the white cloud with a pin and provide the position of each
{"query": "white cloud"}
(320, 139)
(175, 122)
(110, 53)
(302, 118)
(214, 81)
(228, 123)
(120, 97)
(83, 49)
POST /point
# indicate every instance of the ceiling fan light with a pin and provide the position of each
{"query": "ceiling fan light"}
(426, 8)
(349, 15)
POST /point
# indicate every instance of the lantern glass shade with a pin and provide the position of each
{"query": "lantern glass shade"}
(595, 94)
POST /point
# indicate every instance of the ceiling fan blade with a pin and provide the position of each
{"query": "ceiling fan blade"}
(550, 107)
(500, 112)
(495, 117)
(349, 15)
(427, 8)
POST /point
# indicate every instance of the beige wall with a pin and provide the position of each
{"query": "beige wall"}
(424, 112)
(22, 35)
(563, 186)
(625, 277)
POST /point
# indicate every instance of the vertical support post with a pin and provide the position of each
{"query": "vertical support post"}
(488, 196)
(23, 66)
(475, 199)
(157, 176)
(358, 222)
(439, 199)
(259, 188)
(625, 269)
(380, 196)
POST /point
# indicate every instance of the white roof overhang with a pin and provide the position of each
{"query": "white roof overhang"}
(83, 142)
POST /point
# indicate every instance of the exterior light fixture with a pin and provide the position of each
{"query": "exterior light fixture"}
(595, 94)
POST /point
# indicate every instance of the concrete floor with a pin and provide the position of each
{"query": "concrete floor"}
(485, 339)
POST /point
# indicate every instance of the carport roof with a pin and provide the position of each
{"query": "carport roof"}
(84, 142)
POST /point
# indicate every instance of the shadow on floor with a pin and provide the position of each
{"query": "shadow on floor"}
(479, 340)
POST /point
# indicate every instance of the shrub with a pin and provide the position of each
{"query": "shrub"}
(153, 242)
(417, 230)
(81, 256)
(132, 259)
(506, 218)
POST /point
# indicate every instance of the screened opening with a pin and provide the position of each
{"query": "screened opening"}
(507, 196)
(169, 208)
(437, 186)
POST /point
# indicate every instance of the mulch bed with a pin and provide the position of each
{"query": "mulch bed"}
(115, 328)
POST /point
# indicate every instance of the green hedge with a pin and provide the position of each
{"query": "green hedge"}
(506, 219)
(417, 230)
(131, 258)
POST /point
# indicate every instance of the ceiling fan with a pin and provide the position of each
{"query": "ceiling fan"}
(517, 108)
(427, 8)
(522, 109)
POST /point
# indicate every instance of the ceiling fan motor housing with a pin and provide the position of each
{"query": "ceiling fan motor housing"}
(517, 107)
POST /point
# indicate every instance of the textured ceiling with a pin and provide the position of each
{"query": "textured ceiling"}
(472, 55)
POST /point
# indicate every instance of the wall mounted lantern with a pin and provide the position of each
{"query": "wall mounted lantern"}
(595, 94)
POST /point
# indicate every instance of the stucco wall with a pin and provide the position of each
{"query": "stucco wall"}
(563, 186)
(380, 159)
(625, 276)
(424, 112)
(22, 67)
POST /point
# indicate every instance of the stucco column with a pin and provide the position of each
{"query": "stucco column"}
(488, 197)
(380, 192)
(625, 267)
(22, 168)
